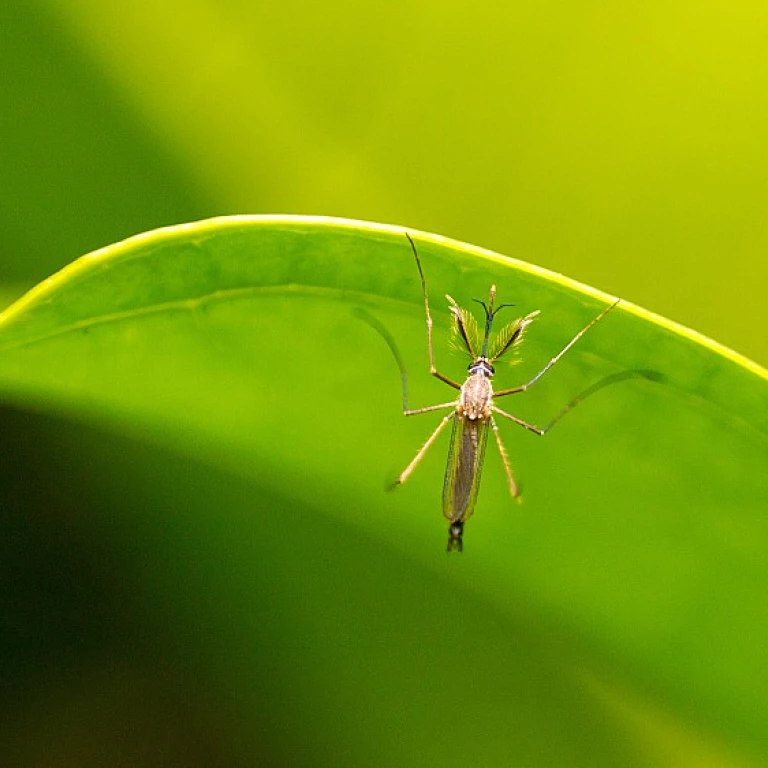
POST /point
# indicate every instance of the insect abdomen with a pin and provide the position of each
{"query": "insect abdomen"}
(465, 460)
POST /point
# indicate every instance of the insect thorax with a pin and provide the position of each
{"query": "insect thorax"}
(476, 396)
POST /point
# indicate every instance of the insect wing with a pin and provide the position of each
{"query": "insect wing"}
(465, 464)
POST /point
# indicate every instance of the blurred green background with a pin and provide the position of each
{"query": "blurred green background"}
(620, 144)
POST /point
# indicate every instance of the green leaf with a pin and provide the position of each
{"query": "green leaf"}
(632, 579)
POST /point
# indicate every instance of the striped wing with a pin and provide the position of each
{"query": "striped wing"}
(465, 464)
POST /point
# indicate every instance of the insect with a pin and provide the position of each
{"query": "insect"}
(473, 412)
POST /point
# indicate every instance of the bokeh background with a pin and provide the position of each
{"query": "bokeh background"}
(620, 144)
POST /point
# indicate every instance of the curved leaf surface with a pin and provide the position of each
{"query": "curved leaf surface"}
(636, 562)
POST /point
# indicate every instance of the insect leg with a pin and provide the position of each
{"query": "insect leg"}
(556, 358)
(513, 489)
(432, 367)
(377, 326)
(531, 427)
(613, 378)
(406, 473)
(427, 409)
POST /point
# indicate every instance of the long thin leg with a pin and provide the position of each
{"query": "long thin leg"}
(432, 367)
(540, 431)
(613, 378)
(428, 408)
(530, 427)
(523, 387)
(513, 489)
(405, 474)
(377, 326)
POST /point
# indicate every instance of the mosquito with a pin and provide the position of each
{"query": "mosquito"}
(473, 412)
